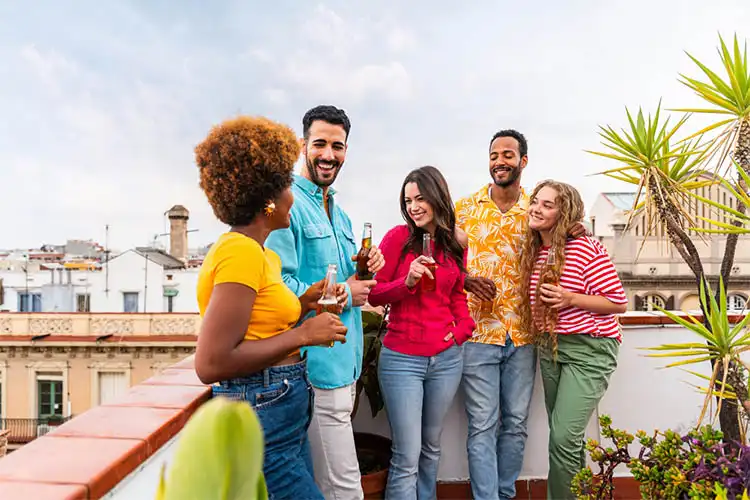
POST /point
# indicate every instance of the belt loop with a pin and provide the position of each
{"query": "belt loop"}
(266, 377)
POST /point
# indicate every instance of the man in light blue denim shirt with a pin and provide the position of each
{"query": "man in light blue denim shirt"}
(321, 234)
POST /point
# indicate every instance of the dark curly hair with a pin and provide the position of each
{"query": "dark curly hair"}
(244, 163)
(523, 146)
(327, 113)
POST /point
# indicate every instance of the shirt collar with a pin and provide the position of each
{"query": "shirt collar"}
(310, 187)
(521, 206)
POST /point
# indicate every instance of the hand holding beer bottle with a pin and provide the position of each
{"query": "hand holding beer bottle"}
(423, 267)
(309, 299)
(328, 302)
(369, 259)
(363, 256)
(428, 280)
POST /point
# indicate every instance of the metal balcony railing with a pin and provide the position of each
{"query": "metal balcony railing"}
(24, 430)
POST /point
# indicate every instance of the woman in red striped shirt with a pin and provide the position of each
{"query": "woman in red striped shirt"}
(575, 295)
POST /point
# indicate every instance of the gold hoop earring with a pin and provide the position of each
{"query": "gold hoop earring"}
(269, 209)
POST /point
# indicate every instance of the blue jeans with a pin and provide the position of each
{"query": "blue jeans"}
(282, 398)
(417, 391)
(498, 380)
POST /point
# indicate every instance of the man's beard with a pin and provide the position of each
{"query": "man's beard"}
(513, 174)
(312, 167)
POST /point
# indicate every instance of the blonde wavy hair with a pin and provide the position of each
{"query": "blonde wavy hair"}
(541, 320)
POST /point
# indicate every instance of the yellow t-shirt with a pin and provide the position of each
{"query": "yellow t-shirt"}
(236, 258)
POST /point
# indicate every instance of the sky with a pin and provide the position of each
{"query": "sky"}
(103, 102)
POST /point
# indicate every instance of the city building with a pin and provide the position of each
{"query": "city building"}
(85, 277)
(651, 270)
(55, 366)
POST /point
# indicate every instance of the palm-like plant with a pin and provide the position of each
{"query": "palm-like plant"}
(663, 173)
(666, 176)
(723, 345)
(728, 96)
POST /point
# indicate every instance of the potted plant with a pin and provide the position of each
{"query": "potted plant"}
(373, 451)
(669, 465)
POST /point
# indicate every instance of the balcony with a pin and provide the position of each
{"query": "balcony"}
(83, 327)
(116, 450)
(25, 430)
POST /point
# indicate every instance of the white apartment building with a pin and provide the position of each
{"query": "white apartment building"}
(141, 280)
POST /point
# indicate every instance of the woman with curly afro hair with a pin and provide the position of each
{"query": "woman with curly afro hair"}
(252, 329)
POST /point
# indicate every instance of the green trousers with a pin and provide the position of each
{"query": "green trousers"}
(574, 383)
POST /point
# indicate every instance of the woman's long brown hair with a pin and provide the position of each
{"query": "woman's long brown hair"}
(434, 189)
(541, 320)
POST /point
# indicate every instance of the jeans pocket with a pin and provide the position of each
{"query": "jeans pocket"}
(263, 397)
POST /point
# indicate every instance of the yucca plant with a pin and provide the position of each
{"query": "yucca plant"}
(663, 187)
(219, 455)
(663, 174)
(727, 94)
(722, 345)
(738, 218)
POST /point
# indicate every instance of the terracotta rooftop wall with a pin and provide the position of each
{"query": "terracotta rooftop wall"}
(87, 456)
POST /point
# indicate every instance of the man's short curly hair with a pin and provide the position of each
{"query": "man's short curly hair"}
(245, 163)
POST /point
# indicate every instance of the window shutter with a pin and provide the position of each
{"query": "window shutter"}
(670, 303)
(638, 303)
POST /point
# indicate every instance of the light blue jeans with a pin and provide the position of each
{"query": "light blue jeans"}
(498, 382)
(417, 391)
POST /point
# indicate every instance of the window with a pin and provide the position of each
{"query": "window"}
(50, 397)
(736, 302)
(111, 385)
(29, 302)
(130, 302)
(650, 301)
(83, 302)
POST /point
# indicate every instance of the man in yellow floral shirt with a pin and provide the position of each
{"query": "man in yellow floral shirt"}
(499, 361)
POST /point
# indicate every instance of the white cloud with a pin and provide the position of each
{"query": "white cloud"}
(276, 96)
(399, 39)
(102, 112)
(49, 66)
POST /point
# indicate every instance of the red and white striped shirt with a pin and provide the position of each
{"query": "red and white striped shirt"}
(588, 270)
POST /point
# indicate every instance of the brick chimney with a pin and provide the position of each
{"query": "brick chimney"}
(178, 221)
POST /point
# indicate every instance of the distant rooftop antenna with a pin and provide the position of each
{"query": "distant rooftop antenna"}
(106, 260)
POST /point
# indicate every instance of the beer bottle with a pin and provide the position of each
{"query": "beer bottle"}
(363, 256)
(550, 264)
(327, 301)
(428, 284)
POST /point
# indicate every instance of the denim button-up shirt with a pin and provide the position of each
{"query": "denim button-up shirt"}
(311, 243)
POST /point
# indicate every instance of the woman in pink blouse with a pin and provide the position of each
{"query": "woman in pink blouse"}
(574, 294)
(421, 360)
